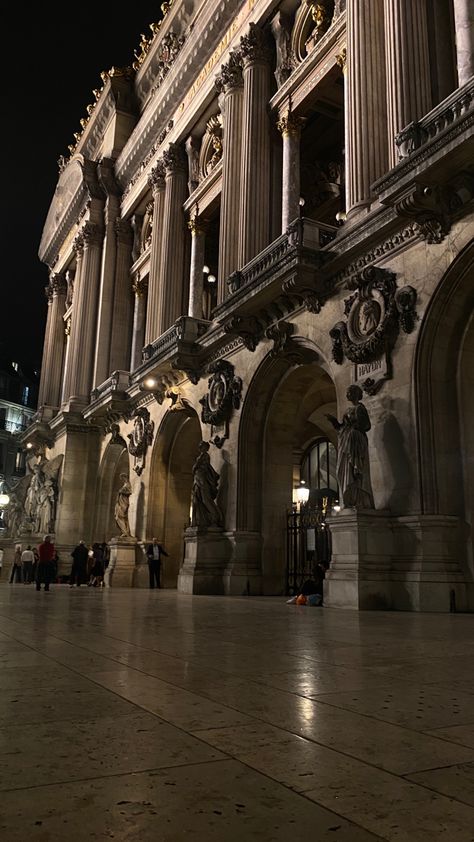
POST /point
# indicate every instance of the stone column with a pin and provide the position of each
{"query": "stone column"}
(67, 358)
(53, 348)
(196, 276)
(74, 320)
(255, 173)
(84, 323)
(365, 104)
(464, 27)
(408, 69)
(156, 181)
(139, 287)
(121, 338)
(290, 127)
(230, 81)
(173, 238)
(53, 374)
(107, 293)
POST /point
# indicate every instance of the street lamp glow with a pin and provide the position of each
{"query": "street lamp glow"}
(4, 500)
(150, 383)
(211, 279)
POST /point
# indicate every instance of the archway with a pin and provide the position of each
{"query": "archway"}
(170, 486)
(444, 383)
(115, 462)
(284, 411)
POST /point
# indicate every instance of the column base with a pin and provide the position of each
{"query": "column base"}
(206, 556)
(243, 574)
(122, 569)
(396, 563)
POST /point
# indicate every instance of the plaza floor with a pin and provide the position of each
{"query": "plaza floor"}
(148, 715)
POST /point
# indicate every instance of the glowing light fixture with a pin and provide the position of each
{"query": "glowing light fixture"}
(150, 383)
(211, 279)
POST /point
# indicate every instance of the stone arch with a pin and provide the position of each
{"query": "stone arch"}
(114, 462)
(286, 392)
(169, 495)
(444, 387)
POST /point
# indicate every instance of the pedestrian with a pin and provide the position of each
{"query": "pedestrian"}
(79, 565)
(97, 570)
(154, 552)
(27, 559)
(16, 566)
(45, 569)
(35, 564)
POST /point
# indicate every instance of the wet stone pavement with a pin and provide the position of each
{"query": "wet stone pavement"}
(147, 715)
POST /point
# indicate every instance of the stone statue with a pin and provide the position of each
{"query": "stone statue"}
(353, 469)
(205, 511)
(45, 508)
(121, 507)
(32, 495)
(15, 514)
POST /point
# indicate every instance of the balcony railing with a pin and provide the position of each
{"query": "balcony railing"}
(12, 426)
(448, 114)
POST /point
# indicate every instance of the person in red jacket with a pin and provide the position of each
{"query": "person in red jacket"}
(44, 569)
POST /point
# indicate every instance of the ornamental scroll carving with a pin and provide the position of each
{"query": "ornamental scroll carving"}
(223, 396)
(375, 312)
(141, 438)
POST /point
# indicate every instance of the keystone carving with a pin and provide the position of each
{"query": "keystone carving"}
(247, 327)
(223, 396)
(141, 438)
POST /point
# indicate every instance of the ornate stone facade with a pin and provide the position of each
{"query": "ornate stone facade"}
(192, 242)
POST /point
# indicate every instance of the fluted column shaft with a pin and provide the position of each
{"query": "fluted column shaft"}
(73, 323)
(365, 104)
(408, 68)
(173, 239)
(52, 394)
(121, 338)
(254, 232)
(107, 291)
(84, 323)
(464, 27)
(230, 81)
(290, 127)
(46, 349)
(196, 275)
(153, 316)
(139, 287)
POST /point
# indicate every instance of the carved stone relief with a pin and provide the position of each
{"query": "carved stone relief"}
(374, 314)
(223, 396)
(141, 438)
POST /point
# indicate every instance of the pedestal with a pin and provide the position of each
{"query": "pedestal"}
(359, 575)
(243, 574)
(121, 571)
(206, 555)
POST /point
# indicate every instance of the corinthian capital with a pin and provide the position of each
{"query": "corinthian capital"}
(57, 283)
(289, 123)
(92, 234)
(255, 46)
(156, 179)
(78, 244)
(231, 73)
(139, 285)
(174, 158)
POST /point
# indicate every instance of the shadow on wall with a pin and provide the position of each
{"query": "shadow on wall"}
(397, 456)
(223, 491)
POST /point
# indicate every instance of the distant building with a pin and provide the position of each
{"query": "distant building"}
(273, 203)
(18, 397)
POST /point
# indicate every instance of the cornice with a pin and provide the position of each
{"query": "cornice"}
(212, 38)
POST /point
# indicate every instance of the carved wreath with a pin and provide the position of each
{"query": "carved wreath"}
(142, 435)
(375, 312)
(224, 393)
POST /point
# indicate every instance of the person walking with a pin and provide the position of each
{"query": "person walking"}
(154, 552)
(79, 565)
(44, 570)
(27, 559)
(97, 570)
(16, 566)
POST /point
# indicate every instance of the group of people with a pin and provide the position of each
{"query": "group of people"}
(89, 564)
(39, 565)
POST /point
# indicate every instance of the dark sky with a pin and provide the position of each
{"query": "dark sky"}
(54, 58)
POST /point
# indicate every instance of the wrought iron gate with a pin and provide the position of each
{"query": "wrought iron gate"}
(308, 543)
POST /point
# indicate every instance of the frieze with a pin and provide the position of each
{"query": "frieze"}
(141, 438)
(374, 314)
(396, 241)
(223, 396)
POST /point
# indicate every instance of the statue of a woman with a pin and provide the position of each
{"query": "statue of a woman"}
(45, 508)
(205, 511)
(353, 469)
(121, 507)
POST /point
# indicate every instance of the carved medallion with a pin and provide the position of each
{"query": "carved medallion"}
(141, 438)
(375, 312)
(225, 390)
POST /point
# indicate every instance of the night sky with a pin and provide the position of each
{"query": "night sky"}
(54, 58)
